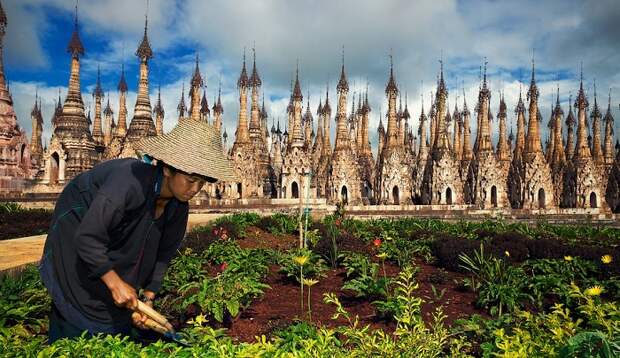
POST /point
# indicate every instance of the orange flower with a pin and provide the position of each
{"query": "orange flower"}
(377, 242)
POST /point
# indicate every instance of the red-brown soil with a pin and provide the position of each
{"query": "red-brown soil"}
(24, 223)
(280, 306)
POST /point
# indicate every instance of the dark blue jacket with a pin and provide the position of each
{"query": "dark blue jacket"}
(105, 220)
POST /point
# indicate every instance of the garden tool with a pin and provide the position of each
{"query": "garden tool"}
(157, 322)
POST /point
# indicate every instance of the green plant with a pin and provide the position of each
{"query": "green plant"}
(356, 264)
(373, 286)
(312, 267)
(437, 294)
(309, 283)
(500, 287)
(183, 269)
(10, 207)
(332, 231)
(24, 303)
(279, 224)
(404, 250)
(236, 224)
(224, 294)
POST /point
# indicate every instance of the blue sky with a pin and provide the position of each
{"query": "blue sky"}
(559, 34)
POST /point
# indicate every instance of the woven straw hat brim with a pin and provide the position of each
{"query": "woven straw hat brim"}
(192, 146)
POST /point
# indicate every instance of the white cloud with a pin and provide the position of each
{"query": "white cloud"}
(561, 34)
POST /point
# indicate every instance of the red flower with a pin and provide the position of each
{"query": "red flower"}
(377, 242)
(337, 222)
(223, 266)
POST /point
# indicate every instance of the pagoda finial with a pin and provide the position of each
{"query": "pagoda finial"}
(484, 76)
(343, 84)
(297, 90)
(144, 51)
(255, 80)
(243, 77)
(391, 86)
(75, 47)
(98, 91)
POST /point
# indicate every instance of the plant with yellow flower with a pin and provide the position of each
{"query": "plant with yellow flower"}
(607, 259)
(383, 256)
(310, 282)
(594, 291)
(301, 261)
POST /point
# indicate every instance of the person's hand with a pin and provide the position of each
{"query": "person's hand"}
(123, 294)
(139, 320)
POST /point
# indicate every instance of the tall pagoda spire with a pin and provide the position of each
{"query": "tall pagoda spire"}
(142, 122)
(108, 124)
(98, 94)
(442, 142)
(72, 122)
(423, 151)
(597, 152)
(255, 83)
(557, 155)
(582, 148)
(365, 121)
(308, 122)
(242, 135)
(532, 141)
(158, 110)
(503, 148)
(608, 149)
(36, 145)
(570, 132)
(483, 139)
(467, 150)
(391, 91)
(327, 112)
(342, 137)
(194, 92)
(182, 108)
(121, 126)
(297, 134)
(204, 106)
(218, 110)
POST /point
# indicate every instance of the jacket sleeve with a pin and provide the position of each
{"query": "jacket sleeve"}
(92, 236)
(172, 236)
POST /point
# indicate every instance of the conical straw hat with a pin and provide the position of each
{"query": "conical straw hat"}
(192, 146)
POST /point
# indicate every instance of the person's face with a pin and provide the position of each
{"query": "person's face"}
(184, 186)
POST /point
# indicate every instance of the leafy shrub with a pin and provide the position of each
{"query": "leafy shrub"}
(499, 286)
(223, 295)
(234, 226)
(183, 269)
(356, 264)
(404, 250)
(550, 280)
(371, 286)
(594, 332)
(24, 302)
(330, 241)
(10, 207)
(278, 224)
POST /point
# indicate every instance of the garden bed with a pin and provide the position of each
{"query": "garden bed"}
(16, 221)
(402, 287)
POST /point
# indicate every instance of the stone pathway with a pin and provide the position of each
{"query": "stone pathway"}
(16, 253)
(19, 252)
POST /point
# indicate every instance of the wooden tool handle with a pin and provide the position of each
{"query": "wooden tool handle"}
(154, 315)
(150, 324)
